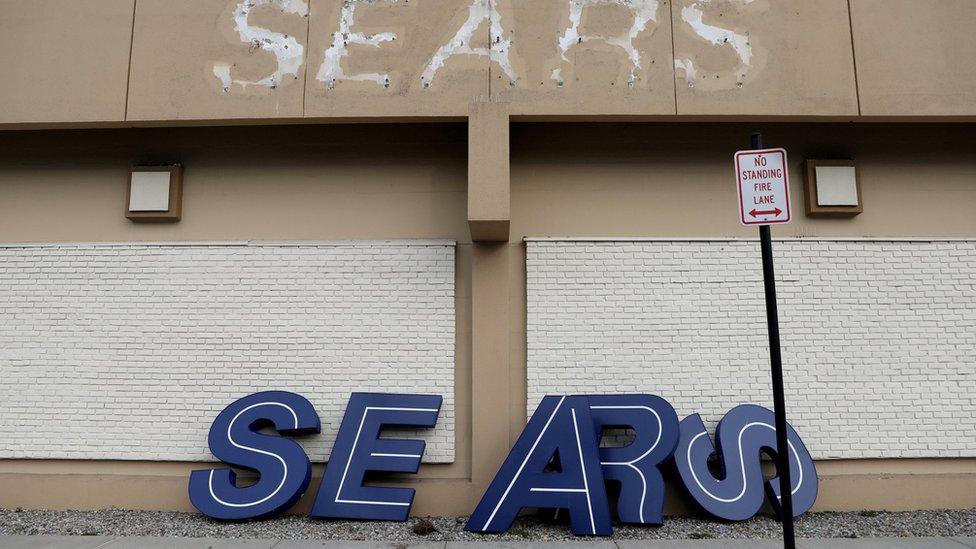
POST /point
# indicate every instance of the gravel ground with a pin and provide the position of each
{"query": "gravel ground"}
(114, 522)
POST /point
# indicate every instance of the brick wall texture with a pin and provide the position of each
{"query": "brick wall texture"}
(129, 351)
(878, 337)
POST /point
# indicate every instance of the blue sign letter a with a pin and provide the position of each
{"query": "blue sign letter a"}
(560, 426)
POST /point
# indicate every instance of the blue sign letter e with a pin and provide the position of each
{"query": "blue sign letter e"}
(358, 449)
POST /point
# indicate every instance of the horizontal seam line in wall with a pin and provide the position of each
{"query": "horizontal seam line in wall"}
(747, 239)
(234, 243)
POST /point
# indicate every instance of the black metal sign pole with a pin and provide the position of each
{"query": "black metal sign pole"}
(776, 362)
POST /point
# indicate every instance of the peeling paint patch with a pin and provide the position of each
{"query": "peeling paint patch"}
(479, 12)
(222, 72)
(644, 11)
(557, 75)
(689, 67)
(717, 36)
(331, 70)
(288, 52)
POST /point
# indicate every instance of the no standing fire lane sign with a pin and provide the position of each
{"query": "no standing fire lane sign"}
(764, 187)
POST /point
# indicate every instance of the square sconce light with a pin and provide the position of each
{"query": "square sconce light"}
(832, 188)
(155, 193)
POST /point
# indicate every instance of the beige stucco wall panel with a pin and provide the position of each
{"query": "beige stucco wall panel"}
(461, 468)
(915, 58)
(190, 60)
(271, 183)
(627, 180)
(64, 60)
(603, 58)
(489, 359)
(517, 326)
(766, 57)
(390, 62)
(489, 193)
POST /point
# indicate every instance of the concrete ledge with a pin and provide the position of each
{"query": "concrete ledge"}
(845, 485)
(489, 230)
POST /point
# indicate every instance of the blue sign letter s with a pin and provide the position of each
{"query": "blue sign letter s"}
(743, 434)
(282, 464)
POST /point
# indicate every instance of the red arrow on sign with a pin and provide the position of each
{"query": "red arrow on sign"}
(756, 212)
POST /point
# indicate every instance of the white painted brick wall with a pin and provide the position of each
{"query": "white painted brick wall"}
(878, 337)
(129, 351)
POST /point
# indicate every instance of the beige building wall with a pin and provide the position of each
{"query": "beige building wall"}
(626, 180)
(91, 63)
(64, 61)
(915, 57)
(769, 57)
(671, 180)
(268, 183)
(279, 183)
(409, 181)
(192, 60)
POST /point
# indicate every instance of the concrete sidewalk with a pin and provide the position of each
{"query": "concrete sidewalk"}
(108, 542)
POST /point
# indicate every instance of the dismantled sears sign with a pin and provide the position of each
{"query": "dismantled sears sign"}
(487, 33)
(557, 462)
